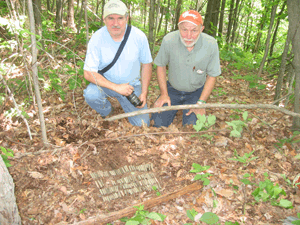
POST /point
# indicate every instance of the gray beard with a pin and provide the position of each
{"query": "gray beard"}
(190, 45)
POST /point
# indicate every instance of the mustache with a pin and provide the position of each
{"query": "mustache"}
(116, 27)
(186, 39)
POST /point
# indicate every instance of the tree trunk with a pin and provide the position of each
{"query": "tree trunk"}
(235, 20)
(80, 17)
(230, 22)
(86, 23)
(162, 9)
(294, 18)
(220, 33)
(177, 15)
(262, 64)
(167, 16)
(276, 28)
(260, 29)
(48, 5)
(70, 18)
(9, 213)
(282, 67)
(35, 74)
(246, 34)
(37, 9)
(58, 20)
(208, 17)
(151, 23)
(102, 12)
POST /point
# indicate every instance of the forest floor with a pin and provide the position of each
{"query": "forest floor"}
(56, 186)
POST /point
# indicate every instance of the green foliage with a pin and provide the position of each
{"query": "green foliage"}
(251, 78)
(204, 122)
(267, 191)
(237, 125)
(6, 152)
(156, 191)
(238, 58)
(282, 142)
(207, 217)
(297, 222)
(203, 177)
(245, 159)
(143, 217)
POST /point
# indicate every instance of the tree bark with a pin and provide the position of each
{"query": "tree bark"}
(70, 18)
(220, 32)
(260, 29)
(86, 23)
(294, 24)
(235, 20)
(35, 74)
(177, 15)
(262, 64)
(230, 21)
(151, 24)
(37, 9)
(58, 19)
(167, 16)
(9, 213)
(282, 66)
(276, 28)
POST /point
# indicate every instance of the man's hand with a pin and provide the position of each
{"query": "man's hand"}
(196, 111)
(124, 89)
(162, 100)
(143, 98)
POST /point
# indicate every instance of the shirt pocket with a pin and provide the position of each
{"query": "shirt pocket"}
(199, 77)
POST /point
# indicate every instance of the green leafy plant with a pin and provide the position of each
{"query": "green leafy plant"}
(204, 122)
(245, 159)
(297, 222)
(291, 140)
(156, 191)
(143, 217)
(6, 152)
(199, 169)
(267, 191)
(207, 217)
(237, 125)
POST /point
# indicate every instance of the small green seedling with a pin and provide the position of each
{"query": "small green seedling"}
(245, 159)
(5, 154)
(204, 123)
(237, 125)
(156, 190)
(198, 169)
(143, 217)
(267, 191)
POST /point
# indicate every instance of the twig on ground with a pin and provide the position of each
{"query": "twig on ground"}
(205, 106)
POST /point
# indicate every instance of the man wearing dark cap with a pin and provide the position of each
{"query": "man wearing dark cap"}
(124, 76)
(193, 62)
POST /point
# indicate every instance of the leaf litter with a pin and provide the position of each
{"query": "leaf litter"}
(56, 186)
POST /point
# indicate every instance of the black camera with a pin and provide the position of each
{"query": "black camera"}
(134, 100)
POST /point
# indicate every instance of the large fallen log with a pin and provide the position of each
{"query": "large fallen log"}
(9, 213)
(129, 211)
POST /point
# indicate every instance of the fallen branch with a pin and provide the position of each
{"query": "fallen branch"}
(205, 106)
(129, 211)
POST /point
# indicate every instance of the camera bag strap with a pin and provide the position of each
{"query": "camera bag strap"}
(120, 49)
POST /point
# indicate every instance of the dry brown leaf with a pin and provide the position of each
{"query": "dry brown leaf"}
(36, 175)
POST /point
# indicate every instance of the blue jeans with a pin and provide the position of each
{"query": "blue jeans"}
(97, 99)
(177, 98)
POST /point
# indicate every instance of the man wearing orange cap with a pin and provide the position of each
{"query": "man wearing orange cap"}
(193, 63)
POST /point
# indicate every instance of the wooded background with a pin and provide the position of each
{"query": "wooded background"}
(44, 42)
